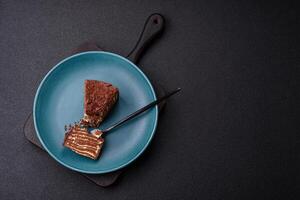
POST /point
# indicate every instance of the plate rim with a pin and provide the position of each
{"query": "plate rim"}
(37, 96)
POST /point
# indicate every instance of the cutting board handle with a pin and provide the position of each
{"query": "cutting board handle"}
(153, 27)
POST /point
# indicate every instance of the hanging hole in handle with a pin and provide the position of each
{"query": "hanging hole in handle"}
(155, 21)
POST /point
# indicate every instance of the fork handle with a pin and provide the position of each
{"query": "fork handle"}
(141, 110)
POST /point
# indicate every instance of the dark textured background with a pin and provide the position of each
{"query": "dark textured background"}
(231, 134)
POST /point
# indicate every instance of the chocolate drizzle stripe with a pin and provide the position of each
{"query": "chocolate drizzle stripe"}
(92, 153)
(85, 142)
(84, 137)
(83, 146)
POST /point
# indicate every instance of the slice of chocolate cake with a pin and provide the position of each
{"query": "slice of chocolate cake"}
(99, 99)
(79, 140)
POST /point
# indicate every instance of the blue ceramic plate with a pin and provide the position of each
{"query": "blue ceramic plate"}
(59, 101)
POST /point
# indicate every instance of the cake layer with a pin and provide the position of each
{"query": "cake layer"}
(79, 140)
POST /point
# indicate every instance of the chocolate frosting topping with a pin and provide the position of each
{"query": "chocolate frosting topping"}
(99, 99)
